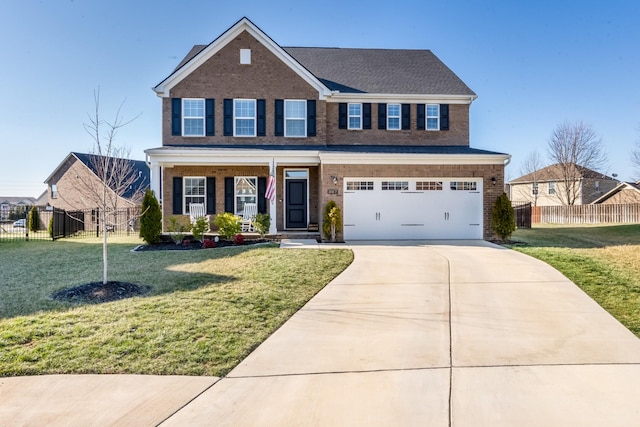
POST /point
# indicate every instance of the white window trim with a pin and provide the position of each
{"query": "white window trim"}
(399, 117)
(427, 117)
(235, 191)
(185, 195)
(349, 116)
(552, 188)
(245, 56)
(54, 191)
(304, 119)
(185, 117)
(255, 118)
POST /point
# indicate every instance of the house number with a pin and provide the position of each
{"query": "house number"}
(332, 191)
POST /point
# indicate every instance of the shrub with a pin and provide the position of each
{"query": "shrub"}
(33, 220)
(332, 220)
(238, 239)
(177, 230)
(50, 229)
(199, 228)
(503, 221)
(151, 218)
(228, 225)
(208, 244)
(262, 223)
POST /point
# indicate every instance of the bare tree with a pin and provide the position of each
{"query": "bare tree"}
(110, 163)
(635, 156)
(531, 166)
(573, 147)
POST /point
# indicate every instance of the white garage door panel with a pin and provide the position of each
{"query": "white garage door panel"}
(413, 214)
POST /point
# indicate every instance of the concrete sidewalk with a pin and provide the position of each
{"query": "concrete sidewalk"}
(412, 333)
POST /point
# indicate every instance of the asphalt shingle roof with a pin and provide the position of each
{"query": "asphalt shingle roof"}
(139, 169)
(388, 71)
(554, 172)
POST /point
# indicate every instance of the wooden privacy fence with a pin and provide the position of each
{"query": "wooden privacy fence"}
(586, 214)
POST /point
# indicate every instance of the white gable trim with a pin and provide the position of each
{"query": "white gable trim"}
(163, 89)
(401, 98)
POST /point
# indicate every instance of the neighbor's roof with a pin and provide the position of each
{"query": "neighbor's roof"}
(18, 200)
(631, 186)
(139, 169)
(554, 173)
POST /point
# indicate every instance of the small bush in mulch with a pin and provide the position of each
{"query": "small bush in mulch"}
(97, 292)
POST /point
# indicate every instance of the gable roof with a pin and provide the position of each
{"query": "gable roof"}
(344, 70)
(139, 169)
(632, 186)
(17, 200)
(200, 56)
(554, 173)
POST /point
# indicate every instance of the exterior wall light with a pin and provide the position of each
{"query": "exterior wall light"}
(493, 180)
(334, 179)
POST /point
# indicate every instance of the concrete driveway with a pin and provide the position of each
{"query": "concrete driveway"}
(411, 334)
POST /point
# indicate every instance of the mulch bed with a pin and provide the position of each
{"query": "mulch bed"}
(189, 244)
(97, 292)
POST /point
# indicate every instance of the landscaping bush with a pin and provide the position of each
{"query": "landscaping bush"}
(176, 229)
(208, 243)
(151, 219)
(238, 239)
(332, 221)
(199, 228)
(228, 225)
(503, 221)
(262, 223)
(33, 220)
(50, 229)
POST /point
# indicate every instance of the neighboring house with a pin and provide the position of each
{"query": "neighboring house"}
(546, 186)
(72, 185)
(623, 193)
(14, 204)
(382, 132)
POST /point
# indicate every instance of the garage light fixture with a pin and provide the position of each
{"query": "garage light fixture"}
(493, 180)
(334, 179)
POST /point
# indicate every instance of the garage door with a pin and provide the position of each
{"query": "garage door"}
(416, 208)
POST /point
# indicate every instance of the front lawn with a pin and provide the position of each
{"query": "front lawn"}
(604, 261)
(205, 312)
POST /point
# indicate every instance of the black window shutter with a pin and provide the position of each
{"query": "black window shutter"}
(342, 115)
(262, 117)
(311, 117)
(279, 118)
(210, 117)
(229, 194)
(262, 190)
(177, 195)
(211, 195)
(382, 116)
(421, 117)
(444, 116)
(406, 116)
(228, 117)
(176, 116)
(366, 115)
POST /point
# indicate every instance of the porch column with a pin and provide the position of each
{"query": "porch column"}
(273, 229)
(155, 180)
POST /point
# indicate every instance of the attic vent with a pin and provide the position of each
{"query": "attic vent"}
(245, 56)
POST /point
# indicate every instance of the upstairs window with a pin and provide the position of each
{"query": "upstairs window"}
(534, 188)
(433, 116)
(54, 191)
(552, 188)
(193, 117)
(244, 117)
(355, 116)
(393, 116)
(295, 118)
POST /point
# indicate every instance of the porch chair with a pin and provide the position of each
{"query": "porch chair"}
(196, 210)
(248, 216)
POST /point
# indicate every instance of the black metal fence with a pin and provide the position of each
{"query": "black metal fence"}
(56, 223)
(522, 211)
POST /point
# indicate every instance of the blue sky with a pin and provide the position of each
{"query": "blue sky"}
(532, 64)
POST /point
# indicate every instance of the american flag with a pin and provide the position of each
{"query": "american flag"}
(270, 194)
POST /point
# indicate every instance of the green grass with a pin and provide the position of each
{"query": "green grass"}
(604, 261)
(206, 310)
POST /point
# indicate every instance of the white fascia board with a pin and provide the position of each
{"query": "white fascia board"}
(226, 157)
(412, 159)
(163, 89)
(401, 98)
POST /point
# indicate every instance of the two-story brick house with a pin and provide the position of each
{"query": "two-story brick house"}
(383, 133)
